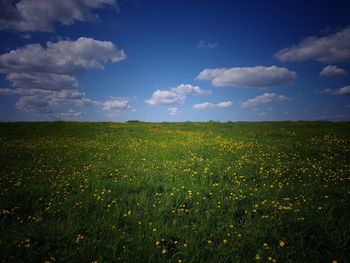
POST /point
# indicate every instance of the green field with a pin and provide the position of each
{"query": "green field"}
(175, 192)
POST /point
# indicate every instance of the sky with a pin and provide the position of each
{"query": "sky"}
(119, 60)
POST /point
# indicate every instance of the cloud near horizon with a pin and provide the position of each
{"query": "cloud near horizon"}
(175, 95)
(208, 105)
(45, 77)
(262, 99)
(174, 111)
(38, 15)
(333, 48)
(255, 77)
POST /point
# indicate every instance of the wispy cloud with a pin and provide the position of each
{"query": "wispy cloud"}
(258, 77)
(174, 111)
(332, 48)
(341, 91)
(206, 44)
(208, 105)
(262, 99)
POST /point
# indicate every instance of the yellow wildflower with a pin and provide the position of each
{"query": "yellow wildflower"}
(266, 246)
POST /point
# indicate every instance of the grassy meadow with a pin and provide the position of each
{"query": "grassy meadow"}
(175, 192)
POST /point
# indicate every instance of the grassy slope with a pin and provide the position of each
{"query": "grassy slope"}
(196, 192)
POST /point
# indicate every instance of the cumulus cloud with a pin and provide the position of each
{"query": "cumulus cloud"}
(208, 105)
(115, 104)
(174, 111)
(262, 99)
(42, 101)
(332, 48)
(45, 77)
(341, 91)
(63, 57)
(38, 15)
(225, 104)
(166, 97)
(42, 80)
(332, 70)
(258, 77)
(206, 44)
(175, 95)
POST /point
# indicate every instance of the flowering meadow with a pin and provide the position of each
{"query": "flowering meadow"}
(175, 192)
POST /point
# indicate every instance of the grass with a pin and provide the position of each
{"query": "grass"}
(175, 192)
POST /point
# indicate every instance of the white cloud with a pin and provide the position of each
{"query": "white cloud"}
(42, 80)
(225, 104)
(174, 111)
(166, 97)
(38, 15)
(115, 105)
(263, 114)
(258, 76)
(262, 99)
(208, 105)
(341, 91)
(332, 48)
(46, 101)
(203, 106)
(186, 89)
(175, 95)
(206, 44)
(63, 57)
(43, 101)
(332, 70)
(44, 77)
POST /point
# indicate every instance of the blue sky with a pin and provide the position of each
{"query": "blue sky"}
(107, 60)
